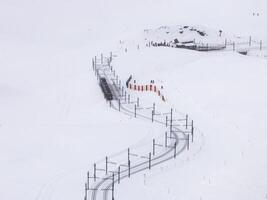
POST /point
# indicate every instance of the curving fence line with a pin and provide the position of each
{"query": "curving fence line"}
(242, 45)
(179, 132)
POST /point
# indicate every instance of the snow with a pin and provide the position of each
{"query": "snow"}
(226, 100)
(55, 123)
(258, 53)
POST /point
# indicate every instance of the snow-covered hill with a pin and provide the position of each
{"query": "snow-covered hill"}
(183, 34)
(222, 92)
(54, 122)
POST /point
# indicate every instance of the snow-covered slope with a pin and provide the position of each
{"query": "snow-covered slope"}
(223, 93)
(54, 122)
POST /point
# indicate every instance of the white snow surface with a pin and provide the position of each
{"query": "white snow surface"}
(224, 92)
(54, 121)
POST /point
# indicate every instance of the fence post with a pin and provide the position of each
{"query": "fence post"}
(95, 172)
(149, 161)
(153, 147)
(129, 97)
(85, 197)
(152, 116)
(135, 110)
(166, 137)
(101, 58)
(113, 186)
(249, 40)
(119, 174)
(88, 177)
(166, 121)
(129, 168)
(261, 45)
(175, 145)
(128, 154)
(109, 62)
(93, 65)
(129, 162)
(119, 105)
(186, 121)
(106, 165)
(137, 101)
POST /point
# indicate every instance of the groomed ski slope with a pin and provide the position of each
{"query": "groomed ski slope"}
(54, 122)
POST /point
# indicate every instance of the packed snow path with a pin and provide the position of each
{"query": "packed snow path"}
(175, 143)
